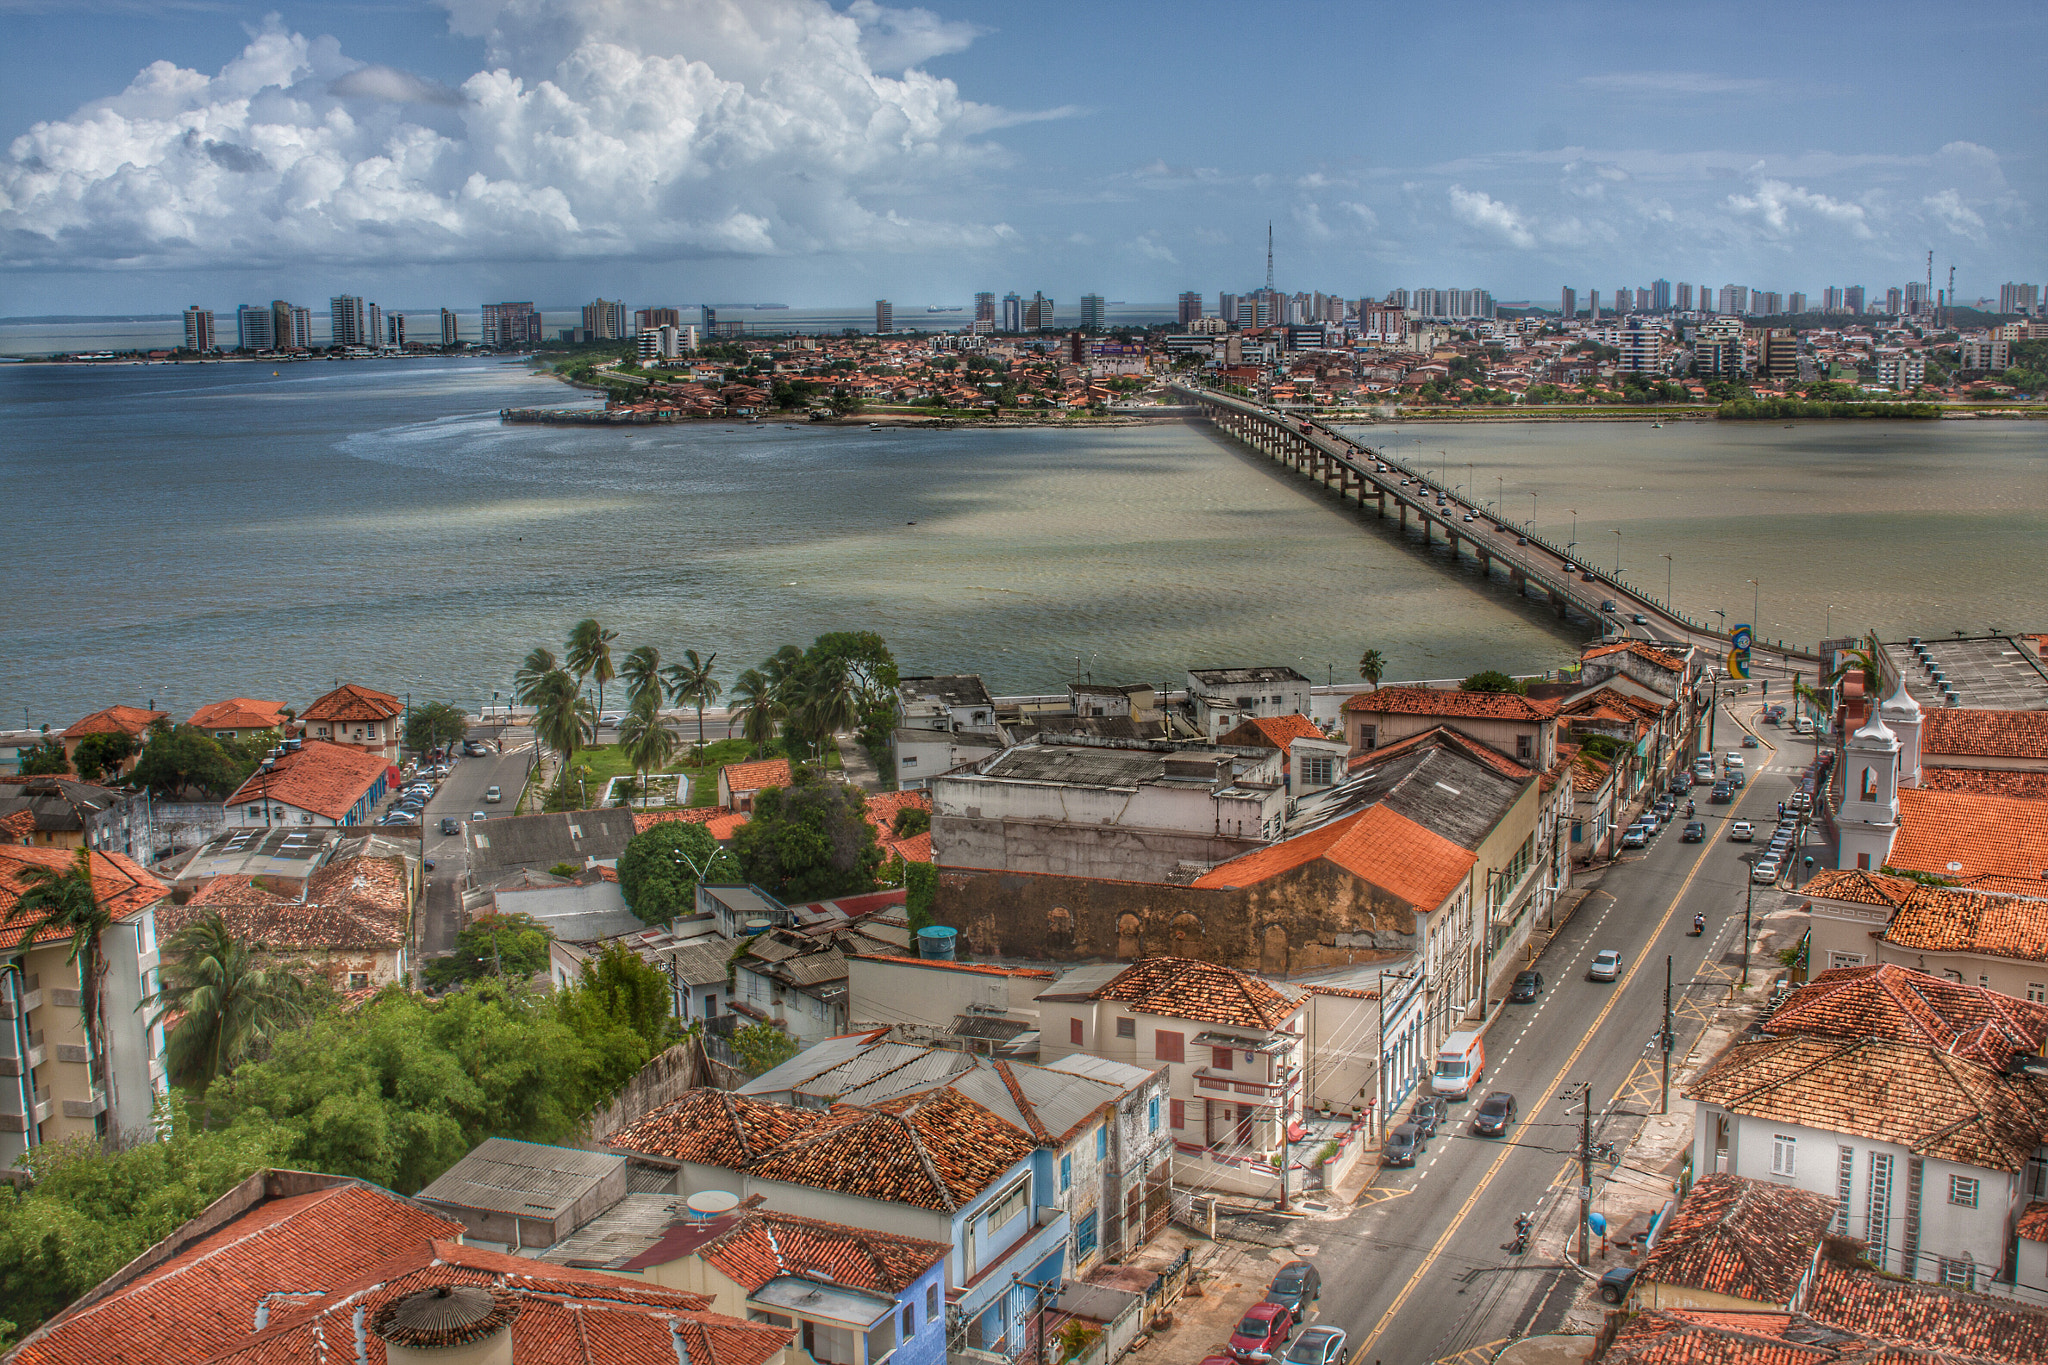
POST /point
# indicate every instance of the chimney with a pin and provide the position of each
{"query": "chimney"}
(450, 1324)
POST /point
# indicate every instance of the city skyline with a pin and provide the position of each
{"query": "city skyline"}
(796, 151)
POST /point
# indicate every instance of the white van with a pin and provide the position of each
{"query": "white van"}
(1459, 1064)
(1804, 727)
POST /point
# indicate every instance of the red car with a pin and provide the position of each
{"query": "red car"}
(1262, 1332)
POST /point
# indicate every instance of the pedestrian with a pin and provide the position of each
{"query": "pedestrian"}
(1781, 810)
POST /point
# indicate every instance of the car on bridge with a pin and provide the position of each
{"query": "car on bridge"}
(1609, 604)
(1640, 619)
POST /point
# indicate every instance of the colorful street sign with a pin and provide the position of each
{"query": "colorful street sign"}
(1738, 663)
(1739, 637)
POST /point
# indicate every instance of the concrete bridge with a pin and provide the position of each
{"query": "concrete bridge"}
(1355, 473)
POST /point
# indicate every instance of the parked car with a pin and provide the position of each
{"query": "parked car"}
(611, 718)
(1261, 1332)
(401, 817)
(1528, 985)
(1615, 1283)
(1695, 831)
(1765, 872)
(1606, 965)
(450, 825)
(1742, 831)
(1427, 1114)
(492, 795)
(1403, 1145)
(1295, 1288)
(1634, 837)
(1494, 1114)
(1319, 1345)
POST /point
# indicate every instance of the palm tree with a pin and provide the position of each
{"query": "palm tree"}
(644, 739)
(63, 902)
(756, 706)
(826, 699)
(233, 1001)
(690, 683)
(1372, 666)
(563, 718)
(642, 670)
(536, 666)
(590, 654)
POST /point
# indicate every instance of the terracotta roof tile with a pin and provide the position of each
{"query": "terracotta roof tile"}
(1444, 701)
(353, 903)
(123, 720)
(1939, 919)
(351, 702)
(718, 821)
(716, 1128)
(984, 968)
(121, 885)
(2033, 1223)
(1860, 887)
(935, 1150)
(2020, 784)
(1271, 732)
(1985, 734)
(1637, 648)
(1979, 833)
(1689, 1337)
(1377, 845)
(758, 1245)
(1901, 1005)
(327, 779)
(1445, 735)
(1926, 1101)
(239, 713)
(1743, 1238)
(1206, 992)
(766, 772)
(20, 824)
(1928, 1315)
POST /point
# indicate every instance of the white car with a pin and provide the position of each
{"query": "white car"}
(1704, 770)
(1742, 831)
(1734, 760)
(1765, 872)
(611, 718)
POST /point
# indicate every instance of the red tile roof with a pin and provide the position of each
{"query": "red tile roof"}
(326, 779)
(934, 1150)
(916, 849)
(239, 713)
(1444, 701)
(716, 1128)
(1377, 845)
(1206, 992)
(121, 720)
(121, 885)
(352, 904)
(1637, 648)
(1271, 732)
(747, 777)
(1456, 739)
(1971, 1326)
(349, 703)
(2019, 783)
(1985, 734)
(984, 968)
(1977, 833)
(18, 825)
(1904, 1006)
(1743, 1238)
(757, 1245)
(2033, 1224)
(718, 821)
(1859, 886)
(1939, 919)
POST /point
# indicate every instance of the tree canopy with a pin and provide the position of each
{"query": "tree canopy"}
(1492, 680)
(181, 759)
(620, 991)
(435, 725)
(809, 841)
(99, 755)
(658, 869)
(45, 760)
(518, 943)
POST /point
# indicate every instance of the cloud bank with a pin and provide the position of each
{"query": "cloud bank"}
(660, 129)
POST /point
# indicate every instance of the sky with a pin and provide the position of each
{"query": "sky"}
(161, 152)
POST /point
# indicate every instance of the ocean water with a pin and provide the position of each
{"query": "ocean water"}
(184, 533)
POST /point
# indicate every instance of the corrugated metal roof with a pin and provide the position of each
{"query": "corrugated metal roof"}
(618, 1234)
(526, 1178)
(813, 1061)
(1083, 982)
(1120, 1074)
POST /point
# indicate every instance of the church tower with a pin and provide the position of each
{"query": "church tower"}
(1869, 817)
(1902, 716)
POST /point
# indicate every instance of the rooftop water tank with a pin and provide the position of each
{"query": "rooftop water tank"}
(755, 926)
(936, 943)
(706, 1205)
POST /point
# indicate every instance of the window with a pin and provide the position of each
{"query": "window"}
(1126, 1028)
(1525, 747)
(1984, 982)
(1845, 960)
(1177, 1109)
(1317, 770)
(1960, 1273)
(1784, 1154)
(1169, 1047)
(1007, 1206)
(1863, 862)
(1102, 1140)
(907, 761)
(1074, 1032)
(1152, 1114)
(931, 1301)
(1368, 736)
(1962, 1191)
(909, 1320)
(1084, 1235)
(1066, 1172)
(358, 981)
(1222, 1058)
(711, 1005)
(2037, 991)
(1845, 1174)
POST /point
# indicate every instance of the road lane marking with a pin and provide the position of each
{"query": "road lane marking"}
(1464, 1210)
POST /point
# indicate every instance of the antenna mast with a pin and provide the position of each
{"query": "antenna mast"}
(1928, 302)
(1951, 296)
(1269, 257)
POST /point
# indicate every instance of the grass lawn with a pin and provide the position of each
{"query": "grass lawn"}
(606, 761)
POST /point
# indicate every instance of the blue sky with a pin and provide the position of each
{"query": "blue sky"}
(818, 153)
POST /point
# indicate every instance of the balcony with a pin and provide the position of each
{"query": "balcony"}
(66, 999)
(22, 1066)
(75, 1053)
(84, 1109)
(30, 999)
(145, 963)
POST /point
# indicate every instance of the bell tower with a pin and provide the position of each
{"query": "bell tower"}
(1869, 817)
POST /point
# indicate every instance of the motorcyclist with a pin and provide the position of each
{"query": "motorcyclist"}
(1699, 924)
(1688, 809)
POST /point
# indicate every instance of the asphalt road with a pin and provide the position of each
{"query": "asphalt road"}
(460, 796)
(1418, 1271)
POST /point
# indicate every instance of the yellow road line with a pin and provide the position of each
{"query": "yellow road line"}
(1465, 1209)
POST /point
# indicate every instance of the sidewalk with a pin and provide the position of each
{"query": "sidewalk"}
(858, 767)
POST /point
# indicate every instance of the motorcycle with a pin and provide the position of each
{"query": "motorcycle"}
(1688, 810)
(1699, 926)
(1524, 1225)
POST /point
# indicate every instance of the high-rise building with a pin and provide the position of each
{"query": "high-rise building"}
(646, 318)
(1916, 298)
(301, 328)
(255, 329)
(885, 317)
(198, 329)
(2019, 298)
(1685, 298)
(660, 343)
(1013, 312)
(1190, 308)
(1094, 312)
(1831, 299)
(1734, 300)
(1766, 303)
(1593, 305)
(1717, 350)
(985, 307)
(373, 326)
(1624, 301)
(1226, 308)
(1894, 302)
(1039, 314)
(1660, 296)
(450, 333)
(1568, 304)
(1852, 298)
(394, 330)
(507, 326)
(1777, 354)
(282, 326)
(1642, 347)
(605, 319)
(1795, 303)
(345, 321)
(1988, 354)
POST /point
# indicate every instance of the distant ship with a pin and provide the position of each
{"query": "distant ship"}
(941, 308)
(761, 306)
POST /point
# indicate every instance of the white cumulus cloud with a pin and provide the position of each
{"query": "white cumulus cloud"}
(1481, 210)
(657, 129)
(1779, 206)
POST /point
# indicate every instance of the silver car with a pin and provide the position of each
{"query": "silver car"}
(1606, 965)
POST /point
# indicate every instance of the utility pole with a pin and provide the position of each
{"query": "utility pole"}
(1664, 1041)
(1748, 900)
(1585, 1170)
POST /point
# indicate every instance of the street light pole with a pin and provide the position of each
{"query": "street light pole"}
(1667, 584)
(1617, 550)
(1748, 901)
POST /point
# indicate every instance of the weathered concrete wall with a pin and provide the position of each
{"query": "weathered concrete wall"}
(1317, 916)
(1074, 849)
(661, 1080)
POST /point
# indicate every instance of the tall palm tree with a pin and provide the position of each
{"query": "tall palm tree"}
(590, 654)
(233, 1001)
(784, 670)
(563, 718)
(63, 901)
(645, 738)
(826, 701)
(756, 706)
(642, 670)
(690, 683)
(536, 666)
(1372, 666)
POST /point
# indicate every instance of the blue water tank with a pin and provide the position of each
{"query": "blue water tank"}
(936, 943)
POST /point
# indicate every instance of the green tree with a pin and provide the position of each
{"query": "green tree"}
(762, 1047)
(435, 725)
(910, 822)
(644, 737)
(756, 707)
(185, 759)
(590, 654)
(533, 674)
(510, 944)
(45, 759)
(809, 841)
(691, 683)
(1493, 680)
(660, 867)
(230, 999)
(921, 887)
(642, 672)
(620, 990)
(64, 901)
(99, 755)
(1372, 666)
(563, 718)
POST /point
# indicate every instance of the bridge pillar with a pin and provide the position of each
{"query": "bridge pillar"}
(1404, 518)
(1557, 603)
